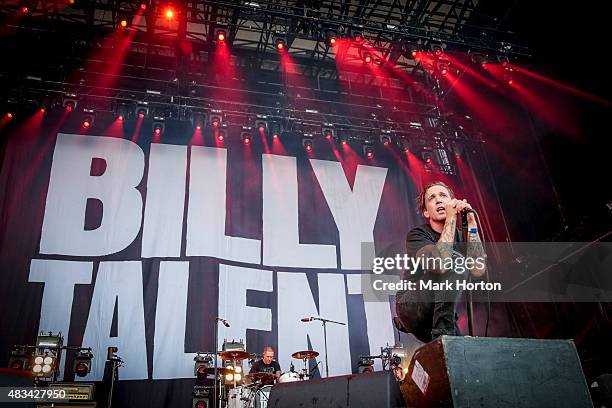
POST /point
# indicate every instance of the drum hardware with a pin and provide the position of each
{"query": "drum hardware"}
(324, 322)
(305, 356)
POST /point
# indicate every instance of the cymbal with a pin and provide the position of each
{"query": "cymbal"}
(305, 355)
(260, 376)
(234, 355)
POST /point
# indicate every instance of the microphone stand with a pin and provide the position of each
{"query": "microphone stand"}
(470, 301)
(324, 322)
(217, 394)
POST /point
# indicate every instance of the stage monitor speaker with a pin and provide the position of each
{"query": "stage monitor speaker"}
(496, 372)
(378, 389)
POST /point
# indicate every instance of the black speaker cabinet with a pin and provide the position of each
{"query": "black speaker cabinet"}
(366, 390)
(496, 372)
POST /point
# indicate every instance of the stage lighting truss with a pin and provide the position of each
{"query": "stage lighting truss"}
(81, 365)
(234, 373)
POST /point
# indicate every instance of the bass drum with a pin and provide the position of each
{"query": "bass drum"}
(261, 397)
(289, 376)
(239, 397)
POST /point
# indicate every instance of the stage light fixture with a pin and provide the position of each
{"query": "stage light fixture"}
(280, 43)
(43, 365)
(221, 135)
(368, 149)
(143, 6)
(198, 120)
(216, 118)
(9, 115)
(24, 10)
(331, 37)
(357, 35)
(220, 35)
(385, 138)
(328, 132)
(274, 129)
(169, 12)
(158, 127)
(201, 363)
(69, 104)
(123, 22)
(81, 365)
(19, 359)
(87, 121)
(262, 126)
(121, 111)
(438, 49)
(307, 144)
(367, 57)
(246, 138)
(142, 111)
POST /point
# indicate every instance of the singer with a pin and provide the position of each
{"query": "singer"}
(430, 314)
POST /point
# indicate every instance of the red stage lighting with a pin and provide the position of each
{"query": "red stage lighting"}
(68, 108)
(246, 140)
(280, 45)
(143, 6)
(438, 53)
(370, 155)
(9, 115)
(24, 10)
(444, 71)
(198, 127)
(344, 142)
(275, 136)
(141, 115)
(510, 82)
(169, 13)
(120, 118)
(86, 123)
(157, 131)
(367, 58)
(262, 129)
(221, 36)
(123, 23)
(200, 404)
(414, 53)
(43, 110)
(215, 122)
(332, 40)
(221, 136)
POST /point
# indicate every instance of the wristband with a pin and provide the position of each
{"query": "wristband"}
(473, 230)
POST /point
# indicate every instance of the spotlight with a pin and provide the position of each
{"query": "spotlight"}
(428, 158)
(202, 362)
(328, 132)
(169, 13)
(44, 365)
(331, 37)
(121, 111)
(246, 138)
(262, 126)
(510, 82)
(307, 143)
(24, 10)
(221, 135)
(438, 49)
(274, 129)
(81, 365)
(142, 111)
(220, 35)
(385, 139)
(357, 35)
(367, 57)
(143, 6)
(9, 115)
(87, 121)
(158, 128)
(199, 119)
(69, 104)
(368, 149)
(123, 23)
(280, 44)
(18, 360)
(216, 118)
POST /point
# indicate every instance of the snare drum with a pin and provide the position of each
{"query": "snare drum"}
(289, 376)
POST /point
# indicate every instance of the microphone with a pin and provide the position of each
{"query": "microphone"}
(466, 211)
(225, 323)
(307, 319)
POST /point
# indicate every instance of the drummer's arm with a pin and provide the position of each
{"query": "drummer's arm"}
(277, 374)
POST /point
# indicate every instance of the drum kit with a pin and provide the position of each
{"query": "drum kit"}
(251, 390)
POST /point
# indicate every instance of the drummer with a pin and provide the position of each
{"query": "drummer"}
(267, 364)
